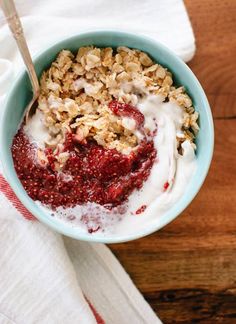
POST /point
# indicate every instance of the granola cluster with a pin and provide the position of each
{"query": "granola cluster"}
(77, 89)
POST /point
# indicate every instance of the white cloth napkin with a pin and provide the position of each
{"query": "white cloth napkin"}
(44, 277)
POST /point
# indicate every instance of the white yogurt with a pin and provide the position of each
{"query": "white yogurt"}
(169, 166)
(36, 131)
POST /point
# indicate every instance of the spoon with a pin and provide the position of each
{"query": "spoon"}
(15, 26)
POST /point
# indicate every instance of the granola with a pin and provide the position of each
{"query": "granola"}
(77, 89)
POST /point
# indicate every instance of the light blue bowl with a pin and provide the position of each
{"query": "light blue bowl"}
(20, 95)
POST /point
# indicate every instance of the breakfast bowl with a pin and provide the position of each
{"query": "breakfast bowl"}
(21, 92)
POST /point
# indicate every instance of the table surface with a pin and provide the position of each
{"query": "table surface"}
(187, 271)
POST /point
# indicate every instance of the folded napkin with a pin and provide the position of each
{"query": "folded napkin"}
(45, 277)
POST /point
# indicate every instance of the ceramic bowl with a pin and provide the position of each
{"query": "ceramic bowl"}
(20, 94)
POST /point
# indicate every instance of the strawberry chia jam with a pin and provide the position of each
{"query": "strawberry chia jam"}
(126, 110)
(91, 173)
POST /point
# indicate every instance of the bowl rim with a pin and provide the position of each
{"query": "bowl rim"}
(68, 230)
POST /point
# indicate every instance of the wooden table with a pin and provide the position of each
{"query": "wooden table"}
(187, 271)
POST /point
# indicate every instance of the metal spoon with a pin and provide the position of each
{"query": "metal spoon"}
(15, 26)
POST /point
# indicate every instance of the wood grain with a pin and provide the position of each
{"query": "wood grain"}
(214, 24)
(187, 271)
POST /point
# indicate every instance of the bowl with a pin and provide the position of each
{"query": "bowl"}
(20, 94)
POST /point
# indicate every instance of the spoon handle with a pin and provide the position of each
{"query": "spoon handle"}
(15, 26)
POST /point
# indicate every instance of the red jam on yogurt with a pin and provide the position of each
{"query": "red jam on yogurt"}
(92, 173)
